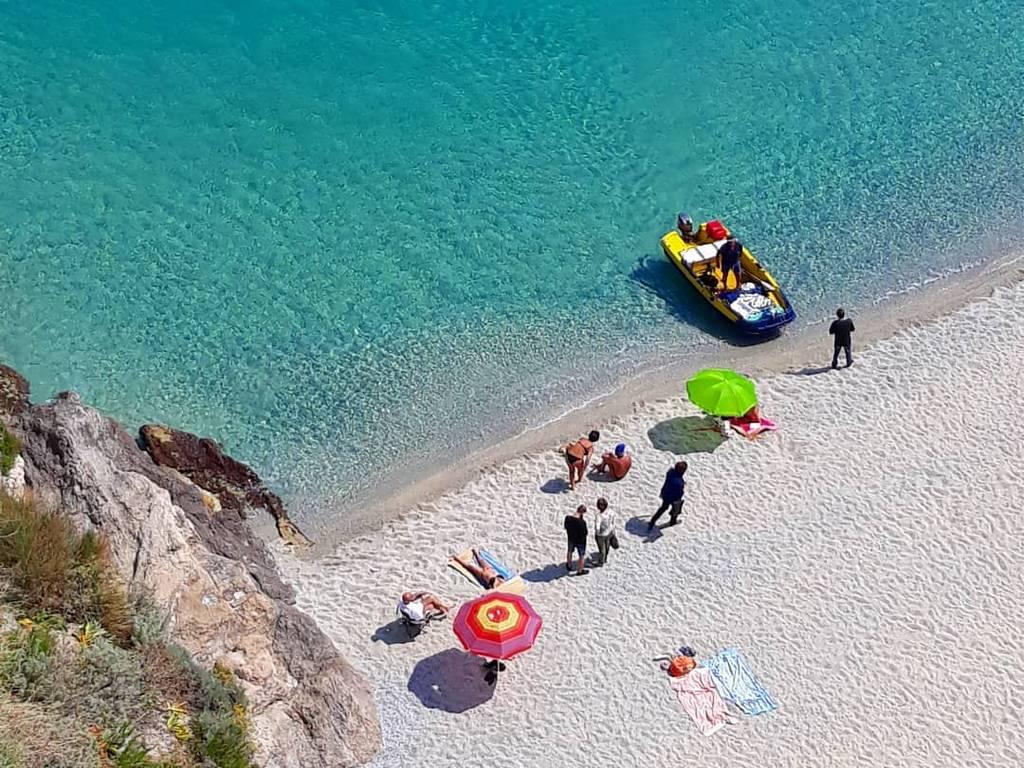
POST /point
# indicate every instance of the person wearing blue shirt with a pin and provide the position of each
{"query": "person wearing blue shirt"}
(672, 491)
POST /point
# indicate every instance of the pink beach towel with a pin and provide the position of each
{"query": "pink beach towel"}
(752, 428)
(698, 696)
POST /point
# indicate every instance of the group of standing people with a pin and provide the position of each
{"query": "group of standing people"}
(616, 464)
(577, 530)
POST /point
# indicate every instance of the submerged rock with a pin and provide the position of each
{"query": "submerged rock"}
(204, 462)
(212, 576)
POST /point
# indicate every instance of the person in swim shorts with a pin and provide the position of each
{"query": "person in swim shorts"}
(576, 535)
(418, 606)
(616, 464)
(577, 456)
(481, 570)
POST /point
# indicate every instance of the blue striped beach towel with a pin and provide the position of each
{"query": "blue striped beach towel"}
(737, 683)
(503, 570)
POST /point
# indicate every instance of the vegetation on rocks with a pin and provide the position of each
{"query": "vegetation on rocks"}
(9, 449)
(88, 677)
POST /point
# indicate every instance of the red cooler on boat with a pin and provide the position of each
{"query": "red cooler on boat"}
(716, 230)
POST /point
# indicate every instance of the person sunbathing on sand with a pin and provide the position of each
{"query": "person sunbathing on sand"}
(419, 606)
(483, 572)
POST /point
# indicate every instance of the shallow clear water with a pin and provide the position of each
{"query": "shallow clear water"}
(342, 236)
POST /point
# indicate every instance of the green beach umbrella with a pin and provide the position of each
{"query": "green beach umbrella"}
(721, 392)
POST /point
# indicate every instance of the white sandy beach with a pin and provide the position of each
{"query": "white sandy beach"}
(867, 559)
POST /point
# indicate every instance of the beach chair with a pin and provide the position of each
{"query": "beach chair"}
(414, 625)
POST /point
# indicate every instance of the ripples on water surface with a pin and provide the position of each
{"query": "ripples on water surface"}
(339, 236)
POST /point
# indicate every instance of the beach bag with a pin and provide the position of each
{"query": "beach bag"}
(680, 665)
(613, 541)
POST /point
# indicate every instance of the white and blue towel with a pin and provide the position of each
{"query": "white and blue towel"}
(737, 683)
(500, 568)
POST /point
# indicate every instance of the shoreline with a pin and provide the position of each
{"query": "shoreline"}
(849, 556)
(790, 353)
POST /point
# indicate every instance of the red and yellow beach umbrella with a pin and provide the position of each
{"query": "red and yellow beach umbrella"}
(497, 625)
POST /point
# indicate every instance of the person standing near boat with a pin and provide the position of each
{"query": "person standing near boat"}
(842, 332)
(729, 258)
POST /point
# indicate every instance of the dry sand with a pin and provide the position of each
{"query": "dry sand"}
(867, 559)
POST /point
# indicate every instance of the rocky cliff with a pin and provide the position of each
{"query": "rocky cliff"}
(197, 559)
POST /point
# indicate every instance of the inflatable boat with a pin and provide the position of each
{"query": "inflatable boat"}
(755, 304)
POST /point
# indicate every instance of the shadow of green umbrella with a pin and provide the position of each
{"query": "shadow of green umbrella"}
(686, 434)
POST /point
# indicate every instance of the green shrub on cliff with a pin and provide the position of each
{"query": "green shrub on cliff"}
(87, 669)
(53, 568)
(9, 755)
(26, 662)
(9, 448)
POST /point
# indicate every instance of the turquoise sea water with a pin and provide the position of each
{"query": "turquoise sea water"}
(341, 237)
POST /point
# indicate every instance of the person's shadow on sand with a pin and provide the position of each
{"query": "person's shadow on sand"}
(555, 485)
(549, 572)
(638, 527)
(810, 371)
(451, 680)
(393, 633)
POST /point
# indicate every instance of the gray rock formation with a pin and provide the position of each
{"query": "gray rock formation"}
(13, 391)
(214, 578)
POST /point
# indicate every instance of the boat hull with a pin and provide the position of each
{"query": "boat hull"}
(757, 306)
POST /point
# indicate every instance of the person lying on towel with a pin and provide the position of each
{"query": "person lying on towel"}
(752, 423)
(482, 570)
(420, 606)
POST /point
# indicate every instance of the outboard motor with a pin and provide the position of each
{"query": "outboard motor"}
(685, 223)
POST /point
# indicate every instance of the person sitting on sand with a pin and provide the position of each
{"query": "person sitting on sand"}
(616, 464)
(481, 570)
(577, 456)
(420, 606)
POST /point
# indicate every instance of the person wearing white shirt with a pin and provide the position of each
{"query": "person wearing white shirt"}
(604, 530)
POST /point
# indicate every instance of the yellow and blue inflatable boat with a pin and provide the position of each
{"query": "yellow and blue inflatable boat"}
(754, 304)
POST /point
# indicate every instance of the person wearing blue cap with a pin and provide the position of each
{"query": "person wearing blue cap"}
(616, 464)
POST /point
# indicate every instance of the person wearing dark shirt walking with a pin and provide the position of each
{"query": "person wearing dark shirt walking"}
(842, 330)
(576, 534)
(671, 495)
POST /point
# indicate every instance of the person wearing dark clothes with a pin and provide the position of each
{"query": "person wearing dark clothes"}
(576, 534)
(729, 256)
(842, 330)
(671, 495)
